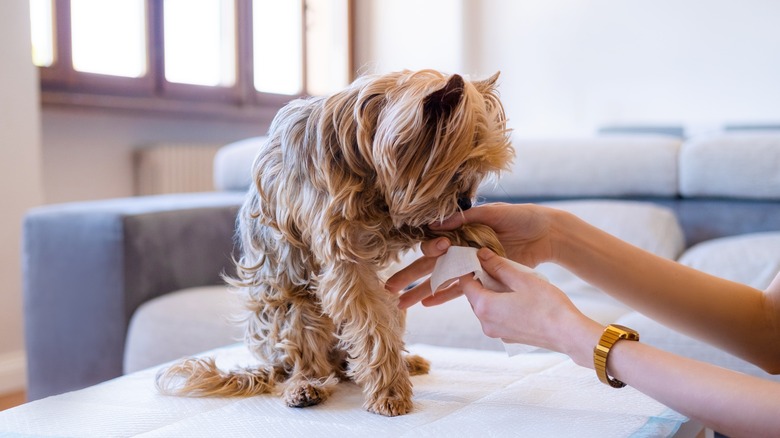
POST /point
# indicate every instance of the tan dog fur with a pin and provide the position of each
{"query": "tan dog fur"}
(343, 185)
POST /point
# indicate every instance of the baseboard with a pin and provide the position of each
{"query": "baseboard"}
(13, 371)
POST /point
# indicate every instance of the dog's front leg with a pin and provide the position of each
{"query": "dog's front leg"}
(371, 332)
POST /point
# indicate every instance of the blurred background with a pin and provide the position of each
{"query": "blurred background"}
(114, 98)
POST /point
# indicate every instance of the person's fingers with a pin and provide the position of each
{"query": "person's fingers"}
(416, 270)
(436, 247)
(443, 295)
(420, 267)
(415, 294)
(500, 269)
(472, 288)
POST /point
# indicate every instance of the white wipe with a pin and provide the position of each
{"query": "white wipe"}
(461, 260)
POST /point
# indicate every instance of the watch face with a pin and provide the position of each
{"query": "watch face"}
(627, 333)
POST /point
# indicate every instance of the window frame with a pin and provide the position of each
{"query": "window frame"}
(62, 85)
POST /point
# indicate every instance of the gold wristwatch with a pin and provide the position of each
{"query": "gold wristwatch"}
(609, 338)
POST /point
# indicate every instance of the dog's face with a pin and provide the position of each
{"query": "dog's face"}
(431, 140)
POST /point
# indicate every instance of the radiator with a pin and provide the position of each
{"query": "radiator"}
(174, 168)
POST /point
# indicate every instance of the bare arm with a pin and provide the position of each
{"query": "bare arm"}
(732, 403)
(735, 317)
(537, 312)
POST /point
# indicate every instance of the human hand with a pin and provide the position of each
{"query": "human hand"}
(419, 268)
(524, 230)
(535, 312)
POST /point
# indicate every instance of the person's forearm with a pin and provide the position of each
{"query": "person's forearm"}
(731, 403)
(732, 316)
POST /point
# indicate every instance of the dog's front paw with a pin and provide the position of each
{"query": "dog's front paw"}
(392, 402)
(305, 394)
(391, 407)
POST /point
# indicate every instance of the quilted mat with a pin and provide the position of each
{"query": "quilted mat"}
(467, 393)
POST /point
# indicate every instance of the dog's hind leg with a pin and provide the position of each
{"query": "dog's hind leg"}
(308, 341)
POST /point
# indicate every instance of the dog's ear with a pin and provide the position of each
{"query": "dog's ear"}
(488, 84)
(441, 102)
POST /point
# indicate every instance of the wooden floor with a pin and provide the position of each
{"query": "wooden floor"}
(10, 400)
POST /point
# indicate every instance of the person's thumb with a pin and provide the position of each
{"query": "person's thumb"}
(500, 269)
(473, 289)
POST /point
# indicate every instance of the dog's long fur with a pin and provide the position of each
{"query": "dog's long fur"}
(343, 185)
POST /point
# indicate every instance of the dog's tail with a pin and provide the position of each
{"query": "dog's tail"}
(200, 377)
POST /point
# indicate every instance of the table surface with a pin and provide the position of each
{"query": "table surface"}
(467, 393)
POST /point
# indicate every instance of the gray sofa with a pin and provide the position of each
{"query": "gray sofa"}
(118, 285)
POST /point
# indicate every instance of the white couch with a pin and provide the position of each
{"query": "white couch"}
(710, 202)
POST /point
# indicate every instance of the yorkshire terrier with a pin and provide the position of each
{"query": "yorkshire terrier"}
(345, 184)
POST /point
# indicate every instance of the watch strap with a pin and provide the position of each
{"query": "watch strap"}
(611, 335)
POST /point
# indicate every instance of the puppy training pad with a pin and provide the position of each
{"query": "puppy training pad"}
(467, 393)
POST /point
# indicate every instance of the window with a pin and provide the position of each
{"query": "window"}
(199, 42)
(232, 57)
(108, 38)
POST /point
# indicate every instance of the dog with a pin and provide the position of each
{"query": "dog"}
(343, 185)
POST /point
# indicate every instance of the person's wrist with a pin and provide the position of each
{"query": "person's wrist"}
(573, 241)
(582, 337)
(560, 223)
(572, 333)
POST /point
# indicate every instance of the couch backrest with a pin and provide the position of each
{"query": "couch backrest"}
(731, 165)
(233, 164)
(611, 166)
(717, 185)
(728, 165)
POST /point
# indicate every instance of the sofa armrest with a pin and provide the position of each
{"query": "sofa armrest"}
(88, 266)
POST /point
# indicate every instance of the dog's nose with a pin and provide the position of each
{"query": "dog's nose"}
(464, 203)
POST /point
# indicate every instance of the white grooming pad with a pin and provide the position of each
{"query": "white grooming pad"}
(467, 393)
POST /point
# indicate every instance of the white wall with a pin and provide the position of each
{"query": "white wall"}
(569, 66)
(20, 178)
(392, 34)
(87, 154)
(409, 34)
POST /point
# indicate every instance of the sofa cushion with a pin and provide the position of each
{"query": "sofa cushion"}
(735, 165)
(599, 166)
(751, 259)
(181, 324)
(233, 164)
